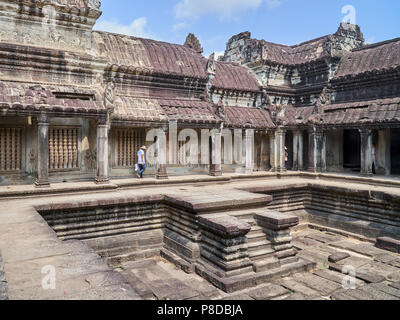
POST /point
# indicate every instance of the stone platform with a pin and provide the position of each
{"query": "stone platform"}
(82, 273)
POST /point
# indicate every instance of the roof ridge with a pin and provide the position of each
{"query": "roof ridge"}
(147, 39)
(375, 45)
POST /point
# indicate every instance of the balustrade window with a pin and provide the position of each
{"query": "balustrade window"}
(127, 144)
(63, 148)
(10, 149)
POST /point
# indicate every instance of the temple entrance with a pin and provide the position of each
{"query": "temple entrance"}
(395, 150)
(352, 150)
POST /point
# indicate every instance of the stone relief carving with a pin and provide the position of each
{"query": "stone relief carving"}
(109, 96)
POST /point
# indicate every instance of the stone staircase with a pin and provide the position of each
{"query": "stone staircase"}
(260, 249)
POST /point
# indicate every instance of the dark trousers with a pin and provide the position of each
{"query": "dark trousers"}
(142, 168)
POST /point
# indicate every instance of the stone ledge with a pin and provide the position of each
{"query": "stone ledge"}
(389, 244)
(225, 226)
(276, 221)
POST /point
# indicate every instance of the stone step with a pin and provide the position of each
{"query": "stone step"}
(257, 245)
(260, 254)
(251, 242)
(266, 264)
(133, 256)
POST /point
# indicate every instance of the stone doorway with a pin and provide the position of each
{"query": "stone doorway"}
(395, 150)
(352, 150)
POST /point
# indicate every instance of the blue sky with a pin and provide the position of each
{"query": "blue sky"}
(215, 21)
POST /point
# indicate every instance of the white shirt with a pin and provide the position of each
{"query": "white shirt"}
(141, 156)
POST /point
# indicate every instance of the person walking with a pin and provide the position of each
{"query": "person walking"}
(141, 161)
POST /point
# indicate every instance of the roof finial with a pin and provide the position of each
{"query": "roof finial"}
(193, 43)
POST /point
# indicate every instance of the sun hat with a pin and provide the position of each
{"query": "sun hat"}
(143, 148)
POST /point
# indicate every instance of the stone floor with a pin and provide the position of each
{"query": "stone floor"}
(377, 275)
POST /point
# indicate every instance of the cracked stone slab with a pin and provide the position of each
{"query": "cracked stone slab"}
(324, 237)
(338, 256)
(297, 287)
(335, 277)
(243, 297)
(369, 277)
(323, 286)
(386, 288)
(267, 292)
(377, 293)
(395, 285)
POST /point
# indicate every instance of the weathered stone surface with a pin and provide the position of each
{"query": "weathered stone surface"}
(225, 226)
(389, 244)
(267, 292)
(297, 287)
(323, 286)
(276, 220)
(369, 277)
(386, 288)
(242, 297)
(336, 257)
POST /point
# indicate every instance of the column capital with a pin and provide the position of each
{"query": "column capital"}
(365, 131)
(43, 119)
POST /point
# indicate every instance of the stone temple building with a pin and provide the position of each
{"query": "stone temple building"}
(78, 103)
(256, 162)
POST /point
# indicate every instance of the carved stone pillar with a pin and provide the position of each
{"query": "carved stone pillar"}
(301, 152)
(280, 144)
(317, 150)
(102, 153)
(366, 152)
(272, 151)
(311, 150)
(42, 180)
(161, 155)
(296, 135)
(249, 138)
(320, 143)
(216, 150)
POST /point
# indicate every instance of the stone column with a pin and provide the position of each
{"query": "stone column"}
(249, 138)
(216, 150)
(366, 152)
(301, 151)
(173, 142)
(311, 150)
(102, 152)
(281, 152)
(317, 151)
(296, 150)
(42, 180)
(161, 154)
(272, 151)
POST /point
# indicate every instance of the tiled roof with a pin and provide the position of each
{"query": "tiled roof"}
(25, 96)
(374, 111)
(152, 55)
(246, 117)
(190, 111)
(296, 115)
(162, 110)
(379, 56)
(233, 76)
(294, 55)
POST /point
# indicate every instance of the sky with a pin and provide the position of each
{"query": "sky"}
(214, 22)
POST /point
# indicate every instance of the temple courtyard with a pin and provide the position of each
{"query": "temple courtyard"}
(296, 236)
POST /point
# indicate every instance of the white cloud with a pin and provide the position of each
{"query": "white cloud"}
(273, 3)
(137, 28)
(180, 26)
(223, 9)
